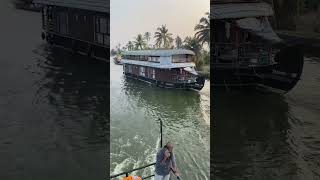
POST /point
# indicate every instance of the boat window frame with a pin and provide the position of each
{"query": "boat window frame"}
(153, 73)
(188, 58)
(63, 21)
(101, 36)
(142, 71)
(153, 59)
(130, 68)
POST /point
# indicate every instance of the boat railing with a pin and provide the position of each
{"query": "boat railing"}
(243, 54)
(126, 173)
(181, 78)
(136, 169)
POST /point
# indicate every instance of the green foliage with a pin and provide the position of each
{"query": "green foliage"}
(130, 46)
(203, 30)
(140, 42)
(163, 38)
(178, 42)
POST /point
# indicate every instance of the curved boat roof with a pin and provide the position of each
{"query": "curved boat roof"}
(159, 52)
(92, 5)
(240, 10)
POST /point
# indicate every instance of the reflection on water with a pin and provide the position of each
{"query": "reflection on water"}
(135, 109)
(53, 107)
(268, 136)
(77, 88)
(249, 129)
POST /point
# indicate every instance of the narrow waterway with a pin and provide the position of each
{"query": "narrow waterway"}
(134, 132)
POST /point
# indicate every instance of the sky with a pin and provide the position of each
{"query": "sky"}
(128, 18)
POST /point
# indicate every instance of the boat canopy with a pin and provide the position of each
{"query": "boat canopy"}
(240, 10)
(259, 27)
(159, 52)
(92, 5)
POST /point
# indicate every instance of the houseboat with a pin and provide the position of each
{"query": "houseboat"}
(80, 26)
(172, 68)
(245, 50)
(117, 60)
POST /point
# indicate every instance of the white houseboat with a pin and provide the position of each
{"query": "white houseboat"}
(170, 68)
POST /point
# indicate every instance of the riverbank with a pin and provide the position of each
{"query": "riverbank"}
(205, 71)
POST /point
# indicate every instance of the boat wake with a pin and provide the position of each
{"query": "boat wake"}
(131, 162)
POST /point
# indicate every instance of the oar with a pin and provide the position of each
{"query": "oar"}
(175, 172)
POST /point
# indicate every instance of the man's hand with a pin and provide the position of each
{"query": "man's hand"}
(177, 173)
(167, 154)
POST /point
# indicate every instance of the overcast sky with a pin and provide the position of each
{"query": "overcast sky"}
(131, 17)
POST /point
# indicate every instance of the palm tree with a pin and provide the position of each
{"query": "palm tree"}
(203, 30)
(130, 46)
(163, 37)
(178, 42)
(193, 44)
(140, 42)
(118, 48)
(147, 36)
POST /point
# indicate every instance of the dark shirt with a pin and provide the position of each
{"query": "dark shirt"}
(163, 169)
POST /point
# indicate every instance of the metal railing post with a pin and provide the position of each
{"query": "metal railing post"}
(160, 133)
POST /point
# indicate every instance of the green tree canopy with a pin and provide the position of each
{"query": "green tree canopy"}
(162, 37)
(203, 30)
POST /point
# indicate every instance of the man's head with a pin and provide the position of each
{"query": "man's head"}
(169, 146)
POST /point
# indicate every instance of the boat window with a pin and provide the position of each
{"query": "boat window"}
(143, 58)
(101, 30)
(130, 68)
(50, 13)
(142, 71)
(103, 25)
(62, 22)
(153, 73)
(182, 58)
(154, 59)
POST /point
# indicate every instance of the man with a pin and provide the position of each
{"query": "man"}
(165, 162)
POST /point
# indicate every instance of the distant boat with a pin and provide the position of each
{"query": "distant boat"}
(117, 60)
(168, 68)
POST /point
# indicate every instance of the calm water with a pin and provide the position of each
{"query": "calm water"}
(134, 132)
(53, 121)
(268, 136)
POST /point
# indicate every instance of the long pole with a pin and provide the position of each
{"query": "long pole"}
(160, 133)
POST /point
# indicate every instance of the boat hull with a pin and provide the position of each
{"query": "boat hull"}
(282, 76)
(194, 85)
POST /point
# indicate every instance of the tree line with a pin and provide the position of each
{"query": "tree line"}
(163, 39)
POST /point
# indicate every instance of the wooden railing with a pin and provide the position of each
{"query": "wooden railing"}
(242, 54)
(183, 78)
